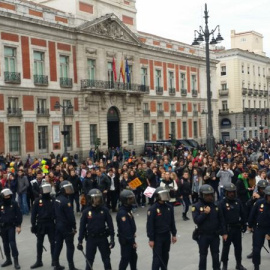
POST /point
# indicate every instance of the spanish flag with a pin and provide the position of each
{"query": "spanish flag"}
(122, 71)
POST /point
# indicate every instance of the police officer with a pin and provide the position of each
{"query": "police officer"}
(96, 225)
(65, 227)
(43, 222)
(259, 222)
(10, 221)
(258, 194)
(235, 223)
(208, 217)
(127, 231)
(160, 227)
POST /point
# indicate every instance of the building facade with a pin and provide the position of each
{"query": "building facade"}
(243, 77)
(113, 83)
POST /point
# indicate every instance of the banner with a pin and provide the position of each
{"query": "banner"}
(135, 183)
(149, 192)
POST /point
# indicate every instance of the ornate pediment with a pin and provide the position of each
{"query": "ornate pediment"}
(111, 27)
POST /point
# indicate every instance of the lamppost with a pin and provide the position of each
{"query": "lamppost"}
(65, 132)
(204, 35)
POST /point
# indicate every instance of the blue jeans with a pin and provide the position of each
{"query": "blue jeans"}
(23, 203)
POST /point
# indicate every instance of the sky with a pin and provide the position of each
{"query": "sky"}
(177, 19)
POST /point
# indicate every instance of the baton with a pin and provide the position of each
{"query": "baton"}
(266, 249)
(86, 260)
(161, 261)
(43, 245)
(1, 252)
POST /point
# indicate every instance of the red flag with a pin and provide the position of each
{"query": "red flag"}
(114, 70)
(122, 71)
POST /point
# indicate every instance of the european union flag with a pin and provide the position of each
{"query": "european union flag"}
(127, 71)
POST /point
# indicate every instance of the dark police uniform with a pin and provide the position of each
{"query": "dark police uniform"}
(93, 227)
(10, 218)
(209, 226)
(234, 219)
(160, 226)
(126, 235)
(43, 222)
(65, 229)
(259, 220)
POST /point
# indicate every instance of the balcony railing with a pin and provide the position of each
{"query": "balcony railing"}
(12, 77)
(111, 85)
(195, 113)
(255, 92)
(172, 91)
(144, 88)
(224, 111)
(41, 112)
(260, 93)
(66, 82)
(14, 112)
(68, 112)
(160, 113)
(244, 91)
(159, 90)
(183, 92)
(265, 92)
(250, 91)
(184, 113)
(194, 93)
(41, 80)
(173, 113)
(146, 112)
(223, 92)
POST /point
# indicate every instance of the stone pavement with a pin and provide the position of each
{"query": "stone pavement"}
(183, 255)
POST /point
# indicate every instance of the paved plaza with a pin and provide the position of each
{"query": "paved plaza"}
(183, 255)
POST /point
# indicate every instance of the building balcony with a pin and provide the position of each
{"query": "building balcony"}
(260, 93)
(195, 113)
(159, 90)
(172, 91)
(183, 92)
(194, 93)
(14, 112)
(66, 82)
(224, 92)
(244, 91)
(184, 113)
(173, 113)
(160, 113)
(146, 112)
(12, 77)
(265, 92)
(144, 88)
(41, 112)
(224, 111)
(41, 80)
(250, 91)
(68, 111)
(247, 110)
(255, 92)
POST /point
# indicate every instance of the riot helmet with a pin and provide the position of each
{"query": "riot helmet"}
(6, 192)
(230, 191)
(261, 185)
(267, 194)
(66, 187)
(207, 193)
(45, 188)
(162, 194)
(95, 197)
(127, 197)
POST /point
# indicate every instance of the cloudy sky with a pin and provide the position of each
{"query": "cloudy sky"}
(177, 19)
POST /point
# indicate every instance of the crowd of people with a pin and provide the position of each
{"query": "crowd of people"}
(232, 180)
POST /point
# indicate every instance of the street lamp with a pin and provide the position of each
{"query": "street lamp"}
(65, 132)
(204, 35)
